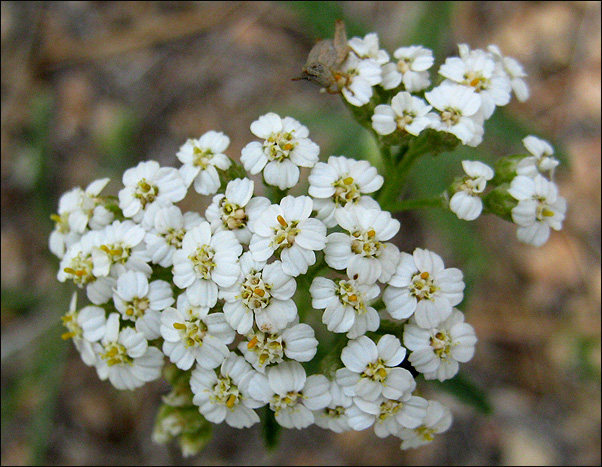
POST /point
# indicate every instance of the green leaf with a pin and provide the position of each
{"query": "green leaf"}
(466, 391)
(320, 18)
(270, 429)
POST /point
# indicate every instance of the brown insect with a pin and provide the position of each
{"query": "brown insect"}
(325, 59)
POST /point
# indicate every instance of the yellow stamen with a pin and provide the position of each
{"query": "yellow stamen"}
(371, 233)
(55, 217)
(69, 271)
(252, 343)
(281, 221)
(230, 401)
(424, 275)
(348, 180)
(67, 335)
(179, 326)
(353, 298)
(259, 292)
(474, 82)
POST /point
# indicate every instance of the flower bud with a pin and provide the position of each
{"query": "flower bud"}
(499, 202)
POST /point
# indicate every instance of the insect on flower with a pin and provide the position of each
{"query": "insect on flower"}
(325, 59)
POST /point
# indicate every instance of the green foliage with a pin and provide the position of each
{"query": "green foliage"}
(270, 429)
(467, 391)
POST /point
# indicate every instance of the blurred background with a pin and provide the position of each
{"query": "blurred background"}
(92, 88)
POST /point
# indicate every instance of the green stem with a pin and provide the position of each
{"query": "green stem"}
(274, 193)
(424, 203)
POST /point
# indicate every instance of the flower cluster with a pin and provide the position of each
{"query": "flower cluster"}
(274, 306)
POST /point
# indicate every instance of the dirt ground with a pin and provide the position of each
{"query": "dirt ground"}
(91, 88)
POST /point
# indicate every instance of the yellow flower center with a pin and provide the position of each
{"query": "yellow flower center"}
(423, 286)
(80, 269)
(116, 354)
(146, 192)
(366, 244)
(346, 191)
(233, 216)
(202, 260)
(192, 332)
(376, 371)
(278, 146)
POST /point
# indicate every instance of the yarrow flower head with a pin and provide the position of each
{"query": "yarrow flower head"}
(79, 211)
(341, 182)
(411, 69)
(363, 251)
(466, 202)
(288, 229)
(423, 287)
(539, 208)
(356, 78)
(438, 419)
(262, 294)
(225, 396)
(477, 70)
(346, 305)
(458, 107)
(291, 394)
(436, 352)
(285, 148)
(205, 262)
(263, 349)
(406, 113)
(236, 209)
(371, 369)
(540, 161)
(201, 159)
(125, 358)
(149, 183)
(192, 334)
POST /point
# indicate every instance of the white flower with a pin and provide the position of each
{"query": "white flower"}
(437, 351)
(422, 286)
(457, 105)
(205, 262)
(149, 183)
(362, 251)
(335, 415)
(288, 229)
(340, 182)
(466, 202)
(121, 243)
(291, 394)
(125, 358)
(84, 327)
(192, 334)
(141, 302)
(477, 70)
(406, 113)
(356, 78)
(78, 265)
(78, 211)
(411, 66)
(297, 342)
(201, 158)
(285, 148)
(236, 209)
(345, 304)
(371, 369)
(438, 419)
(514, 71)
(261, 294)
(225, 396)
(368, 48)
(167, 233)
(541, 161)
(388, 416)
(539, 208)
